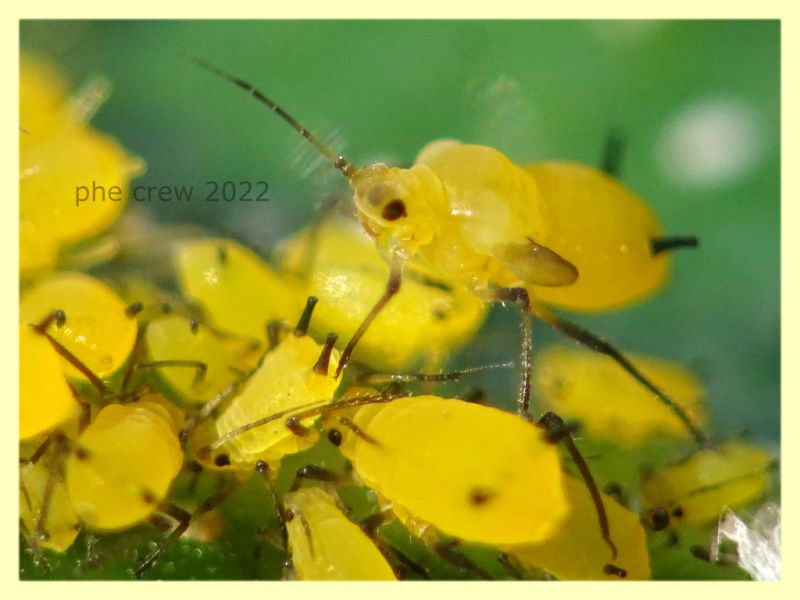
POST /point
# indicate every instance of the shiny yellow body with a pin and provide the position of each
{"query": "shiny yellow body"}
(325, 545)
(172, 337)
(728, 476)
(603, 229)
(60, 154)
(61, 523)
(285, 380)
(237, 290)
(97, 331)
(577, 551)
(474, 472)
(568, 233)
(124, 464)
(45, 400)
(609, 403)
(422, 324)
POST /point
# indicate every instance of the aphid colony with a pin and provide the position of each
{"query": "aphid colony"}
(124, 385)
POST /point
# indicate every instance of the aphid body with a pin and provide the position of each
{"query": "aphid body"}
(697, 489)
(124, 463)
(425, 455)
(325, 544)
(590, 387)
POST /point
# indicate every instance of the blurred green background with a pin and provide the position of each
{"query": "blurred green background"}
(698, 103)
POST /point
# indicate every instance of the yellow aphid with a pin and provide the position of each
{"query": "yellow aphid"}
(347, 274)
(288, 378)
(427, 456)
(697, 489)
(43, 92)
(505, 232)
(237, 290)
(326, 545)
(590, 387)
(45, 400)
(99, 330)
(73, 180)
(60, 525)
(174, 339)
(123, 464)
(576, 550)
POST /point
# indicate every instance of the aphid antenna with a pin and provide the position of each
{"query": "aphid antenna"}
(411, 377)
(301, 412)
(347, 168)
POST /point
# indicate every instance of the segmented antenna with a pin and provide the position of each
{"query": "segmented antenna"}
(339, 161)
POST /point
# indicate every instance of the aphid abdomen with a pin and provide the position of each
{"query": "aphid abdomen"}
(576, 549)
(125, 462)
(45, 400)
(474, 472)
(728, 476)
(326, 545)
(602, 228)
(285, 380)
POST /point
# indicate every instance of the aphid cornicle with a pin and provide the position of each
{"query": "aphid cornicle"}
(508, 233)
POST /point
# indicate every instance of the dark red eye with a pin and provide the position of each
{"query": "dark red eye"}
(394, 210)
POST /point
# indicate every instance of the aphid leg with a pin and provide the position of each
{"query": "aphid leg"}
(316, 473)
(41, 534)
(448, 550)
(392, 287)
(274, 333)
(262, 468)
(199, 366)
(600, 345)
(209, 407)
(137, 353)
(509, 565)
(194, 468)
(85, 416)
(358, 431)
(369, 525)
(520, 296)
(183, 519)
(39, 452)
(558, 431)
(59, 318)
(611, 159)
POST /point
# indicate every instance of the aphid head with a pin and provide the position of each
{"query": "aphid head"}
(397, 206)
